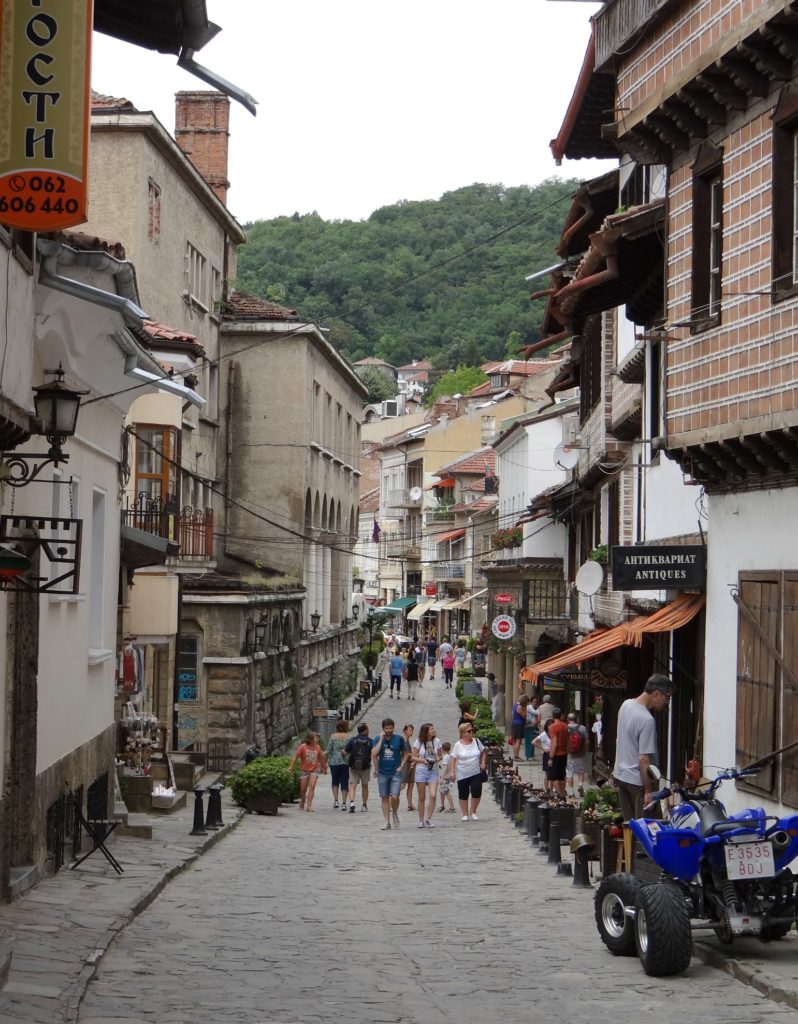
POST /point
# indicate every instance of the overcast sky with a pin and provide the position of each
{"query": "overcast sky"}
(362, 103)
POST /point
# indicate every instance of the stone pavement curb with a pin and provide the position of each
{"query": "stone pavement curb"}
(769, 985)
(77, 990)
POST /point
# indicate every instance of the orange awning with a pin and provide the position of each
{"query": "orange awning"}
(599, 641)
(451, 535)
(448, 482)
(673, 616)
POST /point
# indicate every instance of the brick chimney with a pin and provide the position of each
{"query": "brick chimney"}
(202, 122)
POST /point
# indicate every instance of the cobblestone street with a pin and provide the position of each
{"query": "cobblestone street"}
(323, 916)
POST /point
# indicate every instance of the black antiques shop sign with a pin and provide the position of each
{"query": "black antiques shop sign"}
(659, 568)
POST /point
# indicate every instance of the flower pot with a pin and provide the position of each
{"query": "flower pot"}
(262, 803)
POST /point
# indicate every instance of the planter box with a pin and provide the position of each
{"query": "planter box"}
(592, 829)
(262, 803)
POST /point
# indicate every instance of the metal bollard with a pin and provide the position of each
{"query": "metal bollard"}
(543, 819)
(358, 704)
(199, 817)
(532, 820)
(581, 847)
(555, 857)
(215, 802)
(210, 814)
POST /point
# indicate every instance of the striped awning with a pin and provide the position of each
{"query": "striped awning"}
(443, 604)
(673, 616)
(419, 610)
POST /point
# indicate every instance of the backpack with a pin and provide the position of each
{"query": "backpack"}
(360, 756)
(576, 741)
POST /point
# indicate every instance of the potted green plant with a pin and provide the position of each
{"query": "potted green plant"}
(263, 784)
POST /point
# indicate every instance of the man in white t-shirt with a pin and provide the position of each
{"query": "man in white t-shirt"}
(636, 745)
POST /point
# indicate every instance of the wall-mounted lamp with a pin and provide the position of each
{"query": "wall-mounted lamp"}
(315, 619)
(57, 412)
(355, 611)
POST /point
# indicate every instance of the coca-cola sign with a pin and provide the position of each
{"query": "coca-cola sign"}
(503, 598)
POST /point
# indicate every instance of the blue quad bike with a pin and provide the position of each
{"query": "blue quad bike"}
(727, 873)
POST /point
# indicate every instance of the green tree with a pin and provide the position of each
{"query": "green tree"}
(380, 388)
(457, 382)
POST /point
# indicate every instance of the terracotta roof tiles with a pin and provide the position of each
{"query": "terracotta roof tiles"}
(472, 462)
(241, 306)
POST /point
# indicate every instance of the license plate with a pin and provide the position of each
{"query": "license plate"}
(749, 861)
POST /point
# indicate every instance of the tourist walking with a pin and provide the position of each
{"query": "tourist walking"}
(460, 655)
(447, 663)
(467, 767)
(426, 755)
(518, 725)
(359, 750)
(466, 714)
(532, 728)
(576, 765)
(396, 668)
(543, 743)
(389, 754)
(445, 783)
(432, 655)
(311, 764)
(411, 674)
(558, 754)
(338, 763)
(408, 768)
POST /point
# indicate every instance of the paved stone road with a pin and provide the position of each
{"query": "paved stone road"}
(322, 917)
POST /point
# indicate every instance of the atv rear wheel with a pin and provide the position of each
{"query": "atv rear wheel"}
(662, 929)
(615, 926)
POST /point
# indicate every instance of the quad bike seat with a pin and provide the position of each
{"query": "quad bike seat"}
(714, 822)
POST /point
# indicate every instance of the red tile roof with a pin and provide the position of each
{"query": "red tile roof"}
(480, 505)
(240, 306)
(370, 501)
(518, 367)
(473, 462)
(106, 103)
(172, 338)
(419, 364)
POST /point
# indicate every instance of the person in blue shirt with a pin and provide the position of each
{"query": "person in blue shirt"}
(390, 753)
(396, 666)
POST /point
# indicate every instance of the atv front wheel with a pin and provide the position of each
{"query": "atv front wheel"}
(662, 929)
(615, 926)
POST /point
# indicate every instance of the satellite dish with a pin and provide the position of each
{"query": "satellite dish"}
(415, 493)
(589, 578)
(565, 457)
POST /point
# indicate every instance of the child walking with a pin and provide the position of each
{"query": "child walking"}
(445, 789)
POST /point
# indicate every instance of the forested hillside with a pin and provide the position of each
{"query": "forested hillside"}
(417, 279)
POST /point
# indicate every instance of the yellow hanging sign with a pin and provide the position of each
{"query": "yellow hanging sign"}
(45, 74)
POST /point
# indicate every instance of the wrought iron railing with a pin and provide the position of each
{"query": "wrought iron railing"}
(191, 528)
(546, 600)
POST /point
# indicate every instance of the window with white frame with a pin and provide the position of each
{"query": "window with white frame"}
(196, 275)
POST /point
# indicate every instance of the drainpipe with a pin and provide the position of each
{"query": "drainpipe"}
(228, 455)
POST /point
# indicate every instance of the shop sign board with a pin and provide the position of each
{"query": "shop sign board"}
(431, 590)
(503, 598)
(44, 96)
(503, 627)
(672, 567)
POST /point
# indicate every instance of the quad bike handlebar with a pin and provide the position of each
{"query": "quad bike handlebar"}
(693, 794)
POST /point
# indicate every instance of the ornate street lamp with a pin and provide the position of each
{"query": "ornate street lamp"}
(355, 611)
(315, 619)
(57, 412)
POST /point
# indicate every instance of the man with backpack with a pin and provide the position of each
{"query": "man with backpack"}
(558, 753)
(577, 754)
(359, 750)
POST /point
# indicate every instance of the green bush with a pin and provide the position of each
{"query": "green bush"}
(265, 775)
(490, 735)
(369, 656)
(602, 801)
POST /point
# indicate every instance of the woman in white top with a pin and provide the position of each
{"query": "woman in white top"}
(426, 753)
(467, 766)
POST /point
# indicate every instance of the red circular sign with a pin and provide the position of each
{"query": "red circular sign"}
(503, 627)
(503, 598)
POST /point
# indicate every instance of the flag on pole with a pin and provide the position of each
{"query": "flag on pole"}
(375, 533)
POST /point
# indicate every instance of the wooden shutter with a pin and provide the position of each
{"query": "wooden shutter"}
(758, 676)
(789, 703)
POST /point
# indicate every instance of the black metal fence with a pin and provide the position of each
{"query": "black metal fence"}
(191, 528)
